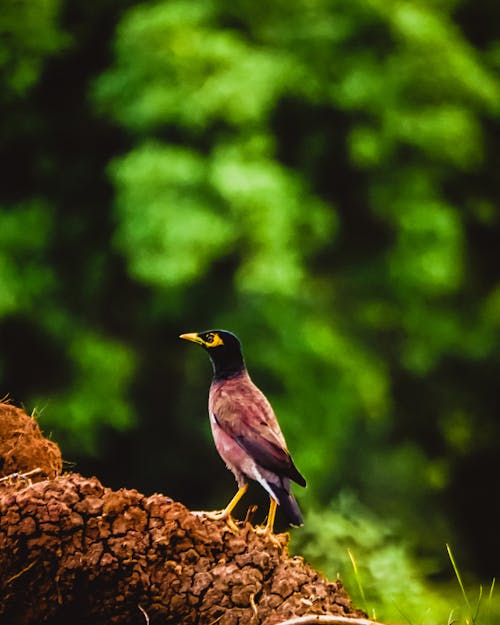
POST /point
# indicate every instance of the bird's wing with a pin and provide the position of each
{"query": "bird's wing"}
(248, 418)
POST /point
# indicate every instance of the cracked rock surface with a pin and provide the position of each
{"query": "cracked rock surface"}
(74, 551)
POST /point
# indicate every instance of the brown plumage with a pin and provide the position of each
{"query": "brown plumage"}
(245, 428)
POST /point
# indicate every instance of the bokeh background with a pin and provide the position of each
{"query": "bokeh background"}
(320, 177)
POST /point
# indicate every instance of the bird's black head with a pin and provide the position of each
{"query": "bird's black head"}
(224, 349)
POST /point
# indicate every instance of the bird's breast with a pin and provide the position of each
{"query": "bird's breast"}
(235, 457)
(227, 447)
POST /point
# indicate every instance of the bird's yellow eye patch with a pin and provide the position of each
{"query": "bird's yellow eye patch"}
(212, 339)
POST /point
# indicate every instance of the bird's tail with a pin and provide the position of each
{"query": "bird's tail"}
(287, 503)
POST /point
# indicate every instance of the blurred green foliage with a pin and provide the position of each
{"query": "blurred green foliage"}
(319, 177)
(29, 33)
(374, 560)
(24, 234)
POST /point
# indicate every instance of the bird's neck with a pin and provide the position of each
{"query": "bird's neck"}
(226, 369)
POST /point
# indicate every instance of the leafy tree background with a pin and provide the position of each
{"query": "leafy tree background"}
(319, 177)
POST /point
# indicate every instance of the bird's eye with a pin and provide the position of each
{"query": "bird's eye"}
(212, 339)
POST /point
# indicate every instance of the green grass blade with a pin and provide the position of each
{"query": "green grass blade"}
(405, 617)
(459, 577)
(492, 587)
(490, 600)
(358, 580)
(478, 604)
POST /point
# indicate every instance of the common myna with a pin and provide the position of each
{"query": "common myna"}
(245, 429)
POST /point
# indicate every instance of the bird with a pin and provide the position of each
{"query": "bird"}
(245, 430)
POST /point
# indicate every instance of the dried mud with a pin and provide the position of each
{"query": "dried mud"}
(74, 551)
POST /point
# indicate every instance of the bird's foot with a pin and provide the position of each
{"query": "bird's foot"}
(266, 532)
(218, 515)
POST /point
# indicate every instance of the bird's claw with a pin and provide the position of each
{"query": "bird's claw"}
(223, 515)
(267, 532)
(219, 515)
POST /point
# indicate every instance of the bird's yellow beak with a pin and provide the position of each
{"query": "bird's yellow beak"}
(192, 336)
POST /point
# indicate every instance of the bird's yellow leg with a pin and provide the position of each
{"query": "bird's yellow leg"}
(226, 513)
(271, 516)
(268, 529)
(234, 501)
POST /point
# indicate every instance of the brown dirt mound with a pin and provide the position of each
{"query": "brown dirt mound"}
(74, 551)
(23, 447)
